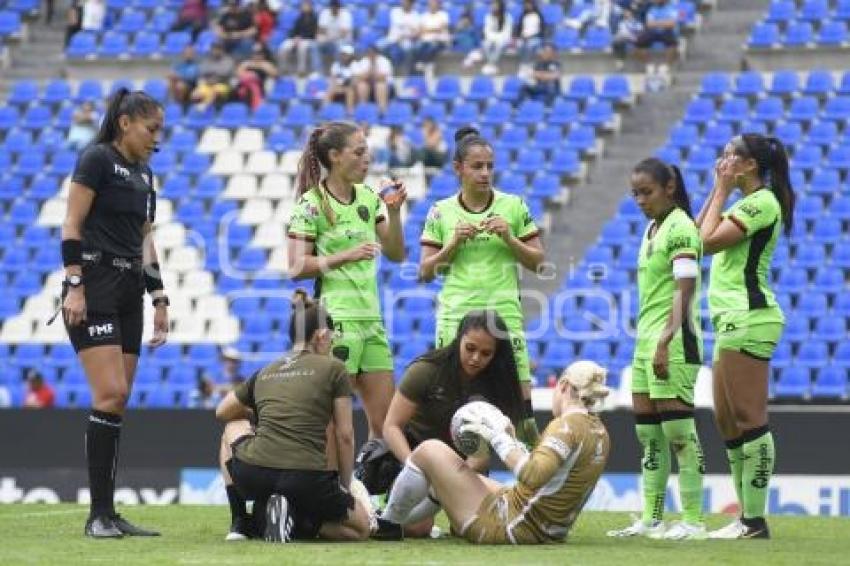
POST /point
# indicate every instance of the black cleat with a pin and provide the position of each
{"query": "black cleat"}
(129, 529)
(388, 531)
(755, 528)
(279, 521)
(242, 529)
(102, 527)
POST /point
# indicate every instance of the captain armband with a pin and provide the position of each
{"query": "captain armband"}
(685, 268)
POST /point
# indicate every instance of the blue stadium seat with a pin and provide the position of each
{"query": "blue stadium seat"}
(232, 115)
(199, 118)
(814, 11)
(23, 93)
(301, 115)
(807, 158)
(684, 135)
(548, 137)
(819, 83)
(781, 355)
(175, 42)
(794, 382)
(825, 182)
(365, 112)
(829, 280)
(748, 84)
(699, 111)
(702, 159)
(842, 10)
(715, 85)
(797, 329)
(615, 88)
(284, 90)
(764, 35)
(734, 110)
(530, 161)
(831, 383)
(810, 256)
(799, 34)
(114, 44)
(398, 113)
(565, 162)
(784, 83)
(781, 11)
(511, 88)
(414, 89)
(599, 113)
(717, 135)
(145, 44)
(83, 44)
(162, 21)
(463, 113)
(840, 208)
(596, 39)
(131, 21)
(813, 354)
(581, 138)
(196, 163)
(62, 163)
(437, 111)
(809, 208)
(530, 113)
(582, 88)
(513, 138)
(828, 230)
(789, 133)
(563, 112)
(793, 281)
(315, 89)
(770, 109)
(559, 354)
(481, 88)
(837, 108)
(512, 183)
(545, 185)
(37, 117)
(448, 89)
(831, 328)
(281, 139)
(90, 90)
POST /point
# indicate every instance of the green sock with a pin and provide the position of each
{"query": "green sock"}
(681, 432)
(735, 453)
(759, 455)
(528, 433)
(655, 465)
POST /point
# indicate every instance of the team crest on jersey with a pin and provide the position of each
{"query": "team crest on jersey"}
(311, 210)
(363, 213)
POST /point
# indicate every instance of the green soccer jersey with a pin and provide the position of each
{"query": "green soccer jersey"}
(484, 271)
(739, 274)
(349, 292)
(676, 237)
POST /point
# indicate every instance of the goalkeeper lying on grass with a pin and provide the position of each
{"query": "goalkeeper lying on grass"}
(553, 481)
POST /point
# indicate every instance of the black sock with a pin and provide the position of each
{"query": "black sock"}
(237, 504)
(102, 436)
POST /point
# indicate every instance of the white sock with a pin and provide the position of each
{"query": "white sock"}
(410, 488)
(425, 509)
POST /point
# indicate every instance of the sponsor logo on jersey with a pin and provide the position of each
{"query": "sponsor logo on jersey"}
(678, 242)
(763, 467)
(122, 171)
(750, 209)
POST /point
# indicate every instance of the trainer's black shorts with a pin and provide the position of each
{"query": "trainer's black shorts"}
(114, 310)
(667, 37)
(314, 496)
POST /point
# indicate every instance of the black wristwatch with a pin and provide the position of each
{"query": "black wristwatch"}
(161, 301)
(74, 280)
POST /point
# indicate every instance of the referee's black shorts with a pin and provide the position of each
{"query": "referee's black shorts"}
(114, 309)
(314, 496)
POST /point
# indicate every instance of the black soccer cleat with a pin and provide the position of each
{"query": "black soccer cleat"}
(755, 528)
(279, 522)
(131, 530)
(388, 531)
(241, 529)
(102, 526)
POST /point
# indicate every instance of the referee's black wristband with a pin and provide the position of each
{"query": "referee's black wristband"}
(72, 252)
(153, 278)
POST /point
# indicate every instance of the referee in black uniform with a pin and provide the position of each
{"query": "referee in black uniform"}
(110, 261)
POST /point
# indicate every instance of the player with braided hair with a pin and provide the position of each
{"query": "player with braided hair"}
(336, 232)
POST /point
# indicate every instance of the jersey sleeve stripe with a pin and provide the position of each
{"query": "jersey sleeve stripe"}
(431, 244)
(530, 236)
(738, 223)
(297, 236)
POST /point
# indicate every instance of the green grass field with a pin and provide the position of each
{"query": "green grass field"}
(52, 534)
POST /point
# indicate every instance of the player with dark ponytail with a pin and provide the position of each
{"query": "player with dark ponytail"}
(747, 319)
(110, 260)
(336, 232)
(668, 353)
(476, 239)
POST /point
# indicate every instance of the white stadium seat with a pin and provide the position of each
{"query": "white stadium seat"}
(53, 334)
(277, 260)
(214, 140)
(248, 140)
(283, 210)
(289, 162)
(169, 235)
(269, 235)
(241, 187)
(224, 330)
(184, 259)
(228, 162)
(261, 163)
(276, 186)
(53, 212)
(197, 284)
(211, 307)
(17, 329)
(256, 211)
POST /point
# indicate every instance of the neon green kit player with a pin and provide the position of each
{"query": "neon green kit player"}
(747, 320)
(335, 234)
(476, 238)
(668, 352)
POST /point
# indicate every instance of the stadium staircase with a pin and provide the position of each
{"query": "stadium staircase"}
(37, 57)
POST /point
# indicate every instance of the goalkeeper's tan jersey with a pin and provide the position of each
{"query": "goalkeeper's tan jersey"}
(552, 486)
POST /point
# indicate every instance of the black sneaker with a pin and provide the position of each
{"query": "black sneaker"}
(102, 527)
(755, 528)
(129, 529)
(241, 529)
(387, 530)
(279, 521)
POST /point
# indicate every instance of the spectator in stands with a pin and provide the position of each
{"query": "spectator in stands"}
(215, 73)
(264, 20)
(402, 39)
(335, 29)
(373, 77)
(235, 29)
(84, 124)
(748, 320)
(529, 32)
(545, 84)
(465, 37)
(39, 394)
(498, 28)
(302, 41)
(230, 362)
(193, 16)
(434, 36)
(400, 148)
(629, 28)
(661, 25)
(73, 20)
(433, 151)
(596, 13)
(341, 87)
(94, 15)
(184, 76)
(252, 74)
(205, 395)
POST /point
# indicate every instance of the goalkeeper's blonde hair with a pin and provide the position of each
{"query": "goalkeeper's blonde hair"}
(588, 379)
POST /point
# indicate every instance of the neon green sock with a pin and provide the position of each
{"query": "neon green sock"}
(682, 435)
(655, 466)
(527, 432)
(735, 453)
(759, 456)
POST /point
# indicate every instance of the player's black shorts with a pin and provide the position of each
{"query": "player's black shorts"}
(114, 308)
(314, 496)
(667, 37)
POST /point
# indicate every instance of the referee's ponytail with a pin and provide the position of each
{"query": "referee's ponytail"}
(663, 174)
(136, 104)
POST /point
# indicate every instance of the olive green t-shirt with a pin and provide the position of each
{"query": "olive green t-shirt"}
(437, 397)
(293, 400)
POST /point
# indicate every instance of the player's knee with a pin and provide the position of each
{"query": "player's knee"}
(112, 399)
(423, 453)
